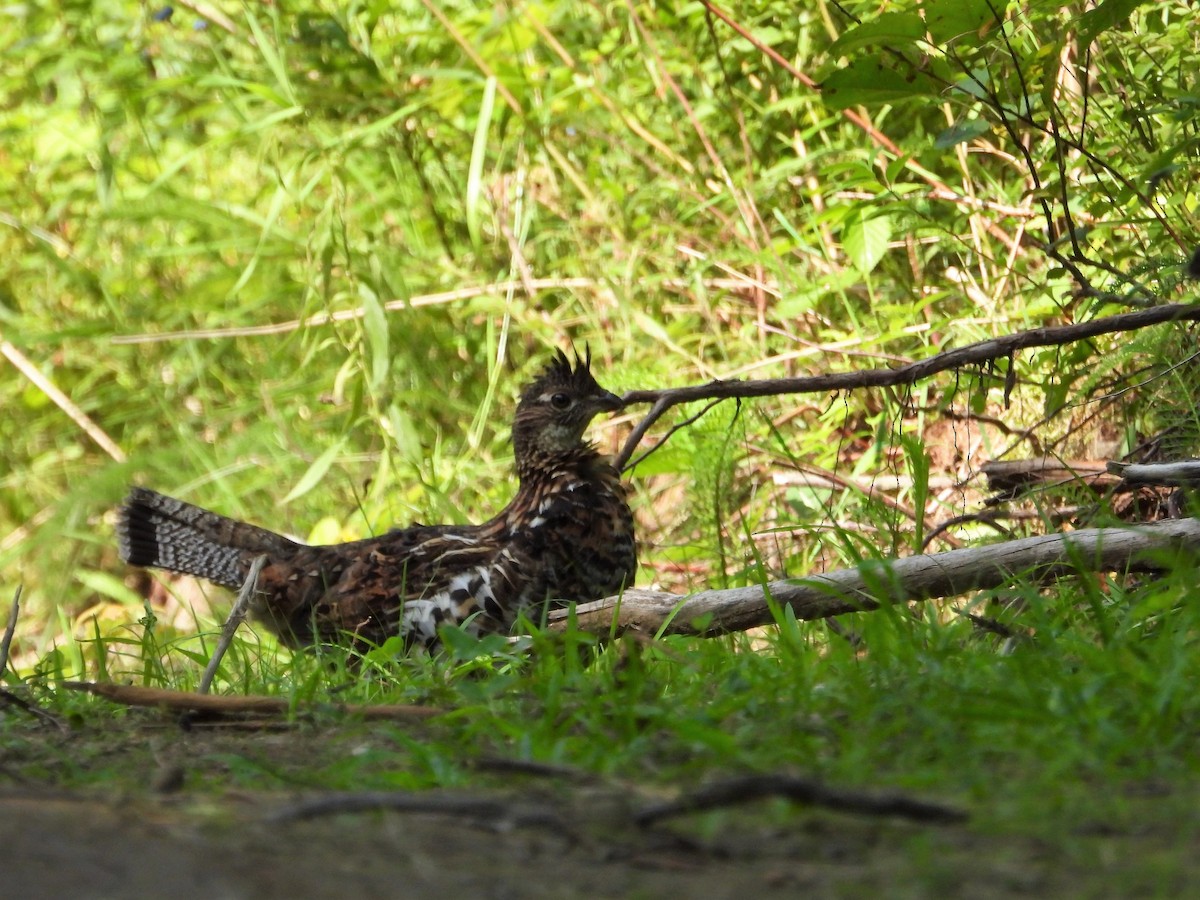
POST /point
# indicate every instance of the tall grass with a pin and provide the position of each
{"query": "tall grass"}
(297, 268)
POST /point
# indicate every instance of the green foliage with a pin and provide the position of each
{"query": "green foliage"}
(295, 265)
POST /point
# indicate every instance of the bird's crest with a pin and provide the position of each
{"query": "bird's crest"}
(560, 372)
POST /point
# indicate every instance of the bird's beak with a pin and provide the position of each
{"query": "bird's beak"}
(609, 402)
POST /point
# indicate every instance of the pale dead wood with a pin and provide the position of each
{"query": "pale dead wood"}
(1002, 347)
(237, 615)
(496, 288)
(187, 701)
(1174, 474)
(34, 375)
(214, 15)
(911, 579)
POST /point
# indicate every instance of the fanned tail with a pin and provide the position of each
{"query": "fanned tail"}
(161, 532)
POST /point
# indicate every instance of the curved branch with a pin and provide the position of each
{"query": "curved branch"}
(972, 354)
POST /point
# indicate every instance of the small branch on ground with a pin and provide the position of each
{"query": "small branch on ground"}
(497, 813)
(736, 791)
(873, 582)
(990, 350)
(510, 812)
(32, 708)
(237, 615)
(135, 695)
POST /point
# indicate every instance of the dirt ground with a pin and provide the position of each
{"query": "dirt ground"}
(175, 824)
(59, 844)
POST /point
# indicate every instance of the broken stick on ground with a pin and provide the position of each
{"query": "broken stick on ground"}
(236, 616)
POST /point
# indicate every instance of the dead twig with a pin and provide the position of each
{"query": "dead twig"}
(33, 709)
(252, 704)
(744, 789)
(990, 350)
(1173, 474)
(442, 297)
(509, 812)
(69, 407)
(496, 813)
(674, 428)
(237, 615)
(5, 645)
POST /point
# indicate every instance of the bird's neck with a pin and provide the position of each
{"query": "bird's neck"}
(579, 472)
(536, 467)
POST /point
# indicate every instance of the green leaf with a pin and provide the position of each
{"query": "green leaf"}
(1108, 15)
(919, 465)
(108, 586)
(870, 80)
(865, 239)
(957, 20)
(974, 84)
(652, 328)
(315, 473)
(474, 199)
(326, 531)
(961, 132)
(404, 432)
(890, 29)
(374, 325)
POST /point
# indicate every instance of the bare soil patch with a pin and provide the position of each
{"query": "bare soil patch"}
(171, 820)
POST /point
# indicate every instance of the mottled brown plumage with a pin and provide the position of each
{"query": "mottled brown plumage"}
(566, 536)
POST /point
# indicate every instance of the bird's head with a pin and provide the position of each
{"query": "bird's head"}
(557, 406)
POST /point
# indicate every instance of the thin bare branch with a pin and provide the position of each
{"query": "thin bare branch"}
(61, 400)
(501, 813)
(237, 615)
(33, 709)
(5, 645)
(736, 791)
(973, 354)
(674, 428)
(498, 288)
(211, 13)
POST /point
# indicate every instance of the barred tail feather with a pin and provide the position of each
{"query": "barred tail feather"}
(158, 531)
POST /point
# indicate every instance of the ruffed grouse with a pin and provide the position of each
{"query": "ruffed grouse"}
(566, 536)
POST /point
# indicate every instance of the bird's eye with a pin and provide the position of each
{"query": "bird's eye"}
(560, 401)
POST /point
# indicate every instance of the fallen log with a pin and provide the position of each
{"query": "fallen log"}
(873, 582)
